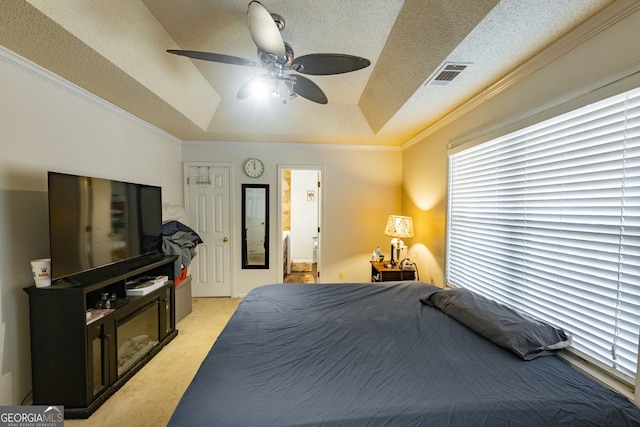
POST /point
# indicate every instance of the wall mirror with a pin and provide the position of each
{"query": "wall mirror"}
(255, 226)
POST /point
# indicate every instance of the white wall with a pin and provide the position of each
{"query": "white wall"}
(48, 124)
(304, 214)
(361, 187)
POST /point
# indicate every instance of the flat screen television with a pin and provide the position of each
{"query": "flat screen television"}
(94, 222)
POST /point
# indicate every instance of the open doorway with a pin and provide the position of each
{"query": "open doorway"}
(299, 219)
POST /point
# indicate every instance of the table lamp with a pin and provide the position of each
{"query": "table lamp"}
(398, 227)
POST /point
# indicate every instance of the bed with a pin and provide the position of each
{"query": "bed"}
(376, 355)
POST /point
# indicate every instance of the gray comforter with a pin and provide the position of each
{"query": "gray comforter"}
(374, 355)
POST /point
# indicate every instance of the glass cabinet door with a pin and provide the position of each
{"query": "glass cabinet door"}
(136, 335)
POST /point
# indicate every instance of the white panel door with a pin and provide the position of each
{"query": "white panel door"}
(208, 196)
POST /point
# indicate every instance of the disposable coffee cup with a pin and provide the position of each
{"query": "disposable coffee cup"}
(43, 283)
(41, 270)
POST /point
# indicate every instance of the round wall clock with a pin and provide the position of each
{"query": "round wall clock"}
(254, 168)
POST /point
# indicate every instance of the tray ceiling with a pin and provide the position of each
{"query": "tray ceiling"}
(117, 50)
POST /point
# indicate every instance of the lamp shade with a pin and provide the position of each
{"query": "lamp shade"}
(399, 226)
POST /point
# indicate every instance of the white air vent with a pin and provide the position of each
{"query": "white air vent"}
(446, 74)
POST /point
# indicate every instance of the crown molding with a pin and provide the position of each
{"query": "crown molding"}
(289, 145)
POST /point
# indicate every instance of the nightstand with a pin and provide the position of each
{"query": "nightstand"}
(380, 273)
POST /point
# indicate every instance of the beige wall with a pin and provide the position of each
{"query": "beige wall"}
(48, 124)
(586, 65)
(361, 187)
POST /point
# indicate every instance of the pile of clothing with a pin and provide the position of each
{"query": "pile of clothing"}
(179, 239)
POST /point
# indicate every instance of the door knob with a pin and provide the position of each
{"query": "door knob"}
(226, 239)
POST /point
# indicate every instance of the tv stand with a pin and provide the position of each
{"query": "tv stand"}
(79, 362)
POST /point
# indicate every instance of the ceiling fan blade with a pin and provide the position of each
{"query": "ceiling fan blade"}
(215, 57)
(308, 89)
(323, 64)
(264, 31)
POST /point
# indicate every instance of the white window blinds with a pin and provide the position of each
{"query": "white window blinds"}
(547, 220)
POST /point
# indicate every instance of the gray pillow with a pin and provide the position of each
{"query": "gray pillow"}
(525, 336)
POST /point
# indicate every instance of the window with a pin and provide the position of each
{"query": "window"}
(547, 220)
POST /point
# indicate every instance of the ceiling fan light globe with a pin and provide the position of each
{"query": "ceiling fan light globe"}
(275, 91)
(260, 88)
(289, 85)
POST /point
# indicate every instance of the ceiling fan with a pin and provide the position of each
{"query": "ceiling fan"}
(276, 58)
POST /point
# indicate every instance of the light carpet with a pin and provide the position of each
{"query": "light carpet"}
(151, 395)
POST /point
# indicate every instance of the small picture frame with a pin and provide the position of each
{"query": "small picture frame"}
(311, 195)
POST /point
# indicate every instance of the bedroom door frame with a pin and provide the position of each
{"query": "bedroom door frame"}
(320, 200)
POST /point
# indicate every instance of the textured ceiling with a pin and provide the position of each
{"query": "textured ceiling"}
(116, 49)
